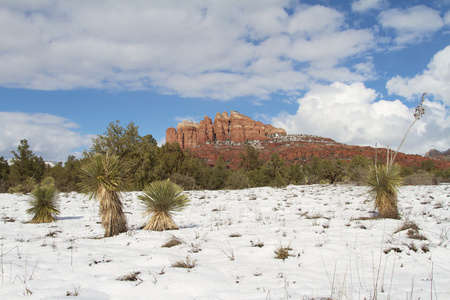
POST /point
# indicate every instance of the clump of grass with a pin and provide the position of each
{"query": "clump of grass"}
(161, 199)
(412, 230)
(133, 276)
(395, 249)
(282, 252)
(53, 233)
(44, 201)
(415, 235)
(258, 244)
(186, 263)
(425, 248)
(407, 225)
(8, 219)
(195, 248)
(174, 241)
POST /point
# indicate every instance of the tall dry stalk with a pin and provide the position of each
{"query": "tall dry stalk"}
(384, 181)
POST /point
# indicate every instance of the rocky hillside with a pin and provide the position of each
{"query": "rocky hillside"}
(228, 136)
(436, 153)
(236, 128)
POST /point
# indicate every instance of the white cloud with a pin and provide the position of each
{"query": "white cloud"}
(434, 80)
(412, 24)
(447, 18)
(49, 136)
(214, 49)
(365, 5)
(350, 114)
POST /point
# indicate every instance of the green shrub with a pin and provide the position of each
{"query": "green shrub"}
(43, 204)
(237, 180)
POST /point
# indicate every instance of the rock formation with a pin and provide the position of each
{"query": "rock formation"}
(435, 153)
(236, 128)
(228, 136)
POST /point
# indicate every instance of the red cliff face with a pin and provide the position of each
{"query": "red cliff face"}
(237, 128)
(228, 136)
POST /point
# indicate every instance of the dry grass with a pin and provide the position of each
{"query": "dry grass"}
(111, 211)
(174, 241)
(282, 252)
(407, 225)
(186, 263)
(133, 276)
(415, 235)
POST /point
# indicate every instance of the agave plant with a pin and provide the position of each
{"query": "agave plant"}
(43, 203)
(102, 178)
(161, 199)
(384, 181)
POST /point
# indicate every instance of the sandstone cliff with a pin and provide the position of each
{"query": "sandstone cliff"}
(236, 128)
(228, 136)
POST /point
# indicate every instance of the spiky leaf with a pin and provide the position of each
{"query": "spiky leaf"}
(162, 198)
(43, 204)
(101, 171)
(384, 182)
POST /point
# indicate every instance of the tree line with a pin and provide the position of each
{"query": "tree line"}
(143, 162)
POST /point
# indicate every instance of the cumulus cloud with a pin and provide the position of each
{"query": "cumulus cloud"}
(434, 80)
(351, 114)
(365, 5)
(214, 49)
(52, 137)
(447, 18)
(413, 24)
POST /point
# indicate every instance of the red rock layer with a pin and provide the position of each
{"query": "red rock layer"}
(228, 136)
(237, 128)
(300, 149)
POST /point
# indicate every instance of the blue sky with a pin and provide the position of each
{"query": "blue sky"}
(352, 71)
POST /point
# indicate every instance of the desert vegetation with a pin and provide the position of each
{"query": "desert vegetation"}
(143, 161)
(297, 242)
(385, 179)
(161, 199)
(102, 178)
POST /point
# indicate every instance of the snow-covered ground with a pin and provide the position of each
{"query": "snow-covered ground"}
(337, 250)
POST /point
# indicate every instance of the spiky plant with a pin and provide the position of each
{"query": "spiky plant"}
(101, 177)
(161, 199)
(44, 200)
(384, 181)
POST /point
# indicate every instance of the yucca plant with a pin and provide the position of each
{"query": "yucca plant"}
(384, 183)
(385, 180)
(101, 177)
(161, 199)
(44, 201)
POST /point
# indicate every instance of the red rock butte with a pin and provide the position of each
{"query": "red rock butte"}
(228, 136)
(236, 128)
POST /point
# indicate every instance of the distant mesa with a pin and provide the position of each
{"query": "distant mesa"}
(229, 135)
(436, 153)
(237, 128)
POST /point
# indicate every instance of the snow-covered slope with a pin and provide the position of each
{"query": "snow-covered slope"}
(337, 250)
